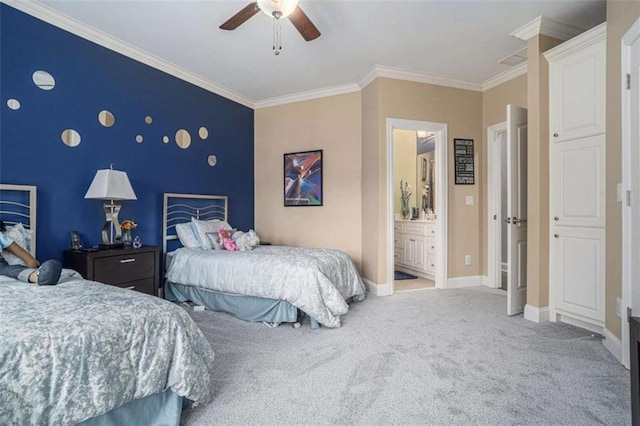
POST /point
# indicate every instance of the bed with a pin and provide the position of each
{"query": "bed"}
(83, 352)
(271, 284)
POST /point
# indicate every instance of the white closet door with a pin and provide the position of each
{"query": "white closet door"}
(577, 108)
(578, 271)
(578, 182)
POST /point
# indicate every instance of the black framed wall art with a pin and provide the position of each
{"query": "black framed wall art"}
(303, 178)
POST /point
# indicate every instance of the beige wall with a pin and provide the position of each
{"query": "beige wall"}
(332, 124)
(461, 110)
(494, 111)
(620, 16)
(405, 152)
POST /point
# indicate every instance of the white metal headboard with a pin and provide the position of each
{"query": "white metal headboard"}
(180, 208)
(18, 205)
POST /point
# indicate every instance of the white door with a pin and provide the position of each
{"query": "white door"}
(516, 209)
(631, 183)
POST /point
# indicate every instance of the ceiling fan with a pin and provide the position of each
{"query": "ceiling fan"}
(276, 9)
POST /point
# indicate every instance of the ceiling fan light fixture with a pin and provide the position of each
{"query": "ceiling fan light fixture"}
(277, 8)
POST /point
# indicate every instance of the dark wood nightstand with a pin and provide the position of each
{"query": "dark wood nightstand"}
(136, 269)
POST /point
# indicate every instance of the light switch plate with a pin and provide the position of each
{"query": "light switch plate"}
(468, 200)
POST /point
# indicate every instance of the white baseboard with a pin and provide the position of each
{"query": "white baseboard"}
(462, 282)
(535, 314)
(376, 289)
(612, 344)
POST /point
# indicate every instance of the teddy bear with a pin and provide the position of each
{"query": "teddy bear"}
(246, 240)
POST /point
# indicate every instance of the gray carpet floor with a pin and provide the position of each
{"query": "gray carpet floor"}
(430, 357)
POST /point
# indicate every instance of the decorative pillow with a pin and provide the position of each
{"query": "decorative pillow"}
(246, 240)
(202, 227)
(186, 236)
(17, 234)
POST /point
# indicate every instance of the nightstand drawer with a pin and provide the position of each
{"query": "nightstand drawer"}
(124, 268)
(143, 286)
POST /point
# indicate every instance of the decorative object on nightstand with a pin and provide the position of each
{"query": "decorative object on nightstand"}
(137, 243)
(127, 226)
(134, 269)
(112, 186)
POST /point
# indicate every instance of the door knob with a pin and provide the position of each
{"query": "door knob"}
(556, 218)
(555, 135)
(495, 217)
(517, 221)
(508, 220)
(556, 236)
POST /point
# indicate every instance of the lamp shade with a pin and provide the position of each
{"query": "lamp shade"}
(110, 184)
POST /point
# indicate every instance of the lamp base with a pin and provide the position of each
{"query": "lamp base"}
(112, 246)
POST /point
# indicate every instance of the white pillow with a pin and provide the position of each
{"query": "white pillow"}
(186, 236)
(17, 234)
(203, 227)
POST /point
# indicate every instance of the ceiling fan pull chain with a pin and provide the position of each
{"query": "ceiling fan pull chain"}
(277, 46)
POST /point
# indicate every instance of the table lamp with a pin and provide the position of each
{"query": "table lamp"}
(112, 186)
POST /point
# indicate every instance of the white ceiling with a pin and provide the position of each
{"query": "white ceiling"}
(461, 40)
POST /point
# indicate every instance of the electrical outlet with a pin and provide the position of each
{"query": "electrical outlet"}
(467, 259)
(619, 307)
(468, 200)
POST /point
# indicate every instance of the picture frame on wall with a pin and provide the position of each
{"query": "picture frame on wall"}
(464, 162)
(303, 179)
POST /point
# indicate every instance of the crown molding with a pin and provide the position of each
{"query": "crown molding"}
(307, 96)
(378, 71)
(547, 27)
(585, 39)
(505, 76)
(62, 21)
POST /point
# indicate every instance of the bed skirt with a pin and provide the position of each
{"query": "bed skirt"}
(154, 410)
(247, 308)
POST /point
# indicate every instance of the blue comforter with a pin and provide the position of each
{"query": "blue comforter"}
(79, 349)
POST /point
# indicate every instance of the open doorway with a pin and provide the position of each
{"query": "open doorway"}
(422, 242)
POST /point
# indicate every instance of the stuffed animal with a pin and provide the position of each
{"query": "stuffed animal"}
(246, 240)
(225, 238)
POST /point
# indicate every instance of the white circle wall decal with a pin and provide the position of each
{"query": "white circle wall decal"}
(13, 104)
(70, 138)
(183, 139)
(212, 160)
(43, 80)
(203, 132)
(165, 139)
(106, 118)
(139, 138)
(148, 119)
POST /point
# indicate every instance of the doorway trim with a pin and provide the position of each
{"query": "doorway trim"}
(441, 195)
(630, 37)
(494, 204)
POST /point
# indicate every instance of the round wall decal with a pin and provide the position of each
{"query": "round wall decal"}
(13, 104)
(70, 138)
(203, 132)
(106, 118)
(212, 160)
(165, 139)
(43, 80)
(139, 138)
(183, 139)
(148, 119)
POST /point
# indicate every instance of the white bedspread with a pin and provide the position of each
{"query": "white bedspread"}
(317, 281)
(79, 349)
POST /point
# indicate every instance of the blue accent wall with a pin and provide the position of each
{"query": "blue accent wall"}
(89, 79)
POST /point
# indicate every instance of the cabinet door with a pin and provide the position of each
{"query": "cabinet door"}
(578, 182)
(408, 249)
(578, 271)
(420, 253)
(577, 94)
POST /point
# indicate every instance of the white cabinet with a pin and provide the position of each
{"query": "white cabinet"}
(577, 82)
(415, 247)
(577, 150)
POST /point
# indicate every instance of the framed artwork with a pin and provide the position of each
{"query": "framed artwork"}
(463, 161)
(303, 178)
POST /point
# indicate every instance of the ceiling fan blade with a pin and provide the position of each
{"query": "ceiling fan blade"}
(241, 17)
(304, 25)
